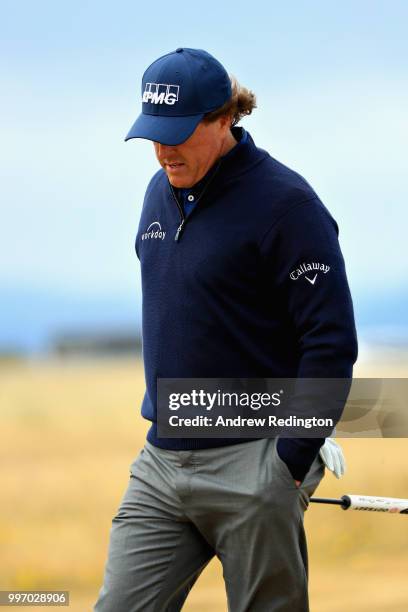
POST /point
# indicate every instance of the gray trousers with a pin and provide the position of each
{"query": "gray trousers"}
(181, 508)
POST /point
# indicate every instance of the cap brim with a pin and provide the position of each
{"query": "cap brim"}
(169, 131)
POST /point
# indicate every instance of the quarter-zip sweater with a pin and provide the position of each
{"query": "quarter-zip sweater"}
(228, 291)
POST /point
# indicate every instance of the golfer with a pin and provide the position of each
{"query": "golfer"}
(242, 276)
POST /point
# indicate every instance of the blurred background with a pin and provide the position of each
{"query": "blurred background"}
(332, 96)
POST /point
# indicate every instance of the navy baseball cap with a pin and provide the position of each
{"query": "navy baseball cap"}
(178, 89)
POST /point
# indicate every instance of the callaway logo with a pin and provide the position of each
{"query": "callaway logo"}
(161, 93)
(309, 267)
(154, 231)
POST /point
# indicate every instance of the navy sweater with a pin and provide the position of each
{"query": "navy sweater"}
(225, 293)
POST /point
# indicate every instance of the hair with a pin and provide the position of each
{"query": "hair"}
(241, 103)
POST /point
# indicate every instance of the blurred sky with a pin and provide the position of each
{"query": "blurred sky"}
(332, 93)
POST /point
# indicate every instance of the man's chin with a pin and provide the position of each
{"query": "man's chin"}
(179, 183)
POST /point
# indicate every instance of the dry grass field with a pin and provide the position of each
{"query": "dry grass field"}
(68, 435)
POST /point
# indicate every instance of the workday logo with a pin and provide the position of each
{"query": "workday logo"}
(161, 93)
(310, 268)
(154, 231)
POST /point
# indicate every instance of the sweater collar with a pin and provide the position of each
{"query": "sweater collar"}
(243, 154)
(241, 158)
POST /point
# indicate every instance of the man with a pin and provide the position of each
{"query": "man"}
(226, 239)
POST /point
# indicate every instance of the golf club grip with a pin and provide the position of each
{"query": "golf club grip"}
(393, 505)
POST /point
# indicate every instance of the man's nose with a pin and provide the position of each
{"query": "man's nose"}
(163, 150)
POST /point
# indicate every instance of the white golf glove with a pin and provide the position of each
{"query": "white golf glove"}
(333, 457)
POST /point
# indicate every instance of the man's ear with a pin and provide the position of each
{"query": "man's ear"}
(225, 121)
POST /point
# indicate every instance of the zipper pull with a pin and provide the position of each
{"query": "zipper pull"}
(180, 227)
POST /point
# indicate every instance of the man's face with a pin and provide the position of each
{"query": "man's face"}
(187, 163)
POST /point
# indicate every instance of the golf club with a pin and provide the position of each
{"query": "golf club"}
(393, 505)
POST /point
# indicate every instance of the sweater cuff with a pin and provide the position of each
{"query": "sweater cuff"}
(299, 454)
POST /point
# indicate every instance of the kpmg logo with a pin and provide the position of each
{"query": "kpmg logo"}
(154, 231)
(310, 268)
(161, 93)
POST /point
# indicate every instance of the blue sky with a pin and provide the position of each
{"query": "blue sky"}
(332, 94)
